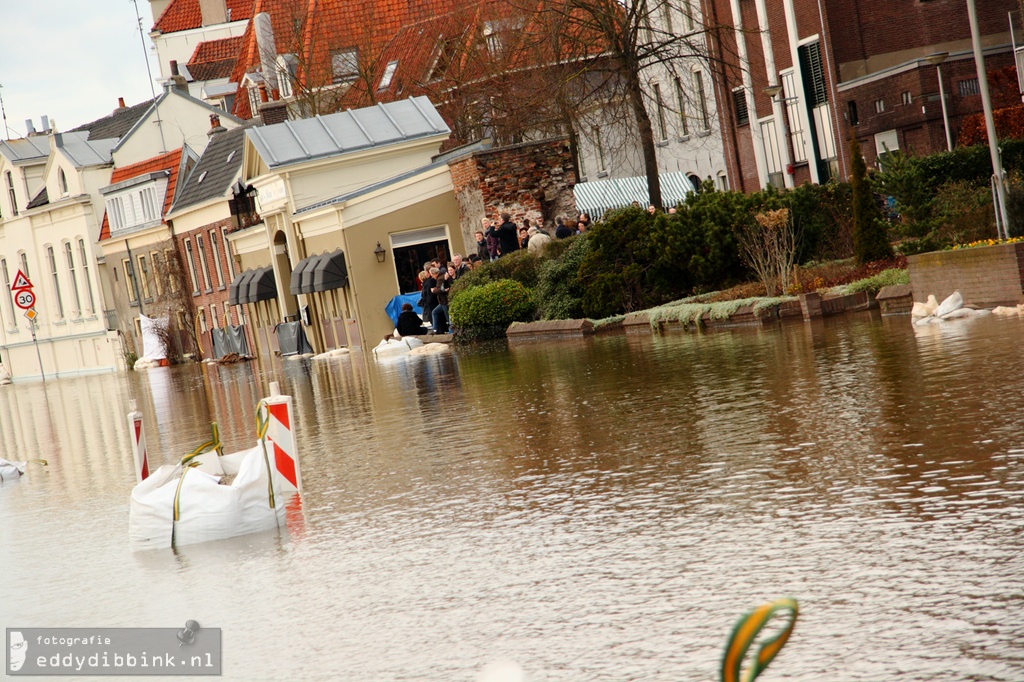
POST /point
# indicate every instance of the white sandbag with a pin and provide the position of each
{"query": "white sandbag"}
(920, 310)
(431, 349)
(953, 302)
(11, 471)
(959, 314)
(207, 509)
(1006, 311)
(924, 321)
(391, 346)
(931, 304)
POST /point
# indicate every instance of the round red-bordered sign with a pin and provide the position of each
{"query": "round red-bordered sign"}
(24, 299)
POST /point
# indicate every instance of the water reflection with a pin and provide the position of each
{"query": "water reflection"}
(598, 510)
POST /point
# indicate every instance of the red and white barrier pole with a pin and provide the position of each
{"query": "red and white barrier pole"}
(280, 432)
(138, 434)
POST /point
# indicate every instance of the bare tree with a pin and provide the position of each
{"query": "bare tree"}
(616, 45)
(768, 247)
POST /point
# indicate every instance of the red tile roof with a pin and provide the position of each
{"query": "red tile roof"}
(313, 29)
(184, 15)
(214, 58)
(171, 162)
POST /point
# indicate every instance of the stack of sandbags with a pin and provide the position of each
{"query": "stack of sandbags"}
(950, 309)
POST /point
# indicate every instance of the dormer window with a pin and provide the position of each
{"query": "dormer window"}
(389, 75)
(287, 67)
(344, 65)
(133, 208)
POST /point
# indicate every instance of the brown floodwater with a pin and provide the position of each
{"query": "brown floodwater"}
(595, 510)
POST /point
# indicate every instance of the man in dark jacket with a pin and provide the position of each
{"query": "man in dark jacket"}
(561, 229)
(508, 238)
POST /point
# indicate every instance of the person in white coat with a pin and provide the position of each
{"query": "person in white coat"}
(538, 240)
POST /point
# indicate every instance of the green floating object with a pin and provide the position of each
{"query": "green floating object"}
(746, 630)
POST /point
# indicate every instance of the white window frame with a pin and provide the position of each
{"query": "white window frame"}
(52, 258)
(85, 273)
(191, 263)
(216, 259)
(204, 265)
(70, 256)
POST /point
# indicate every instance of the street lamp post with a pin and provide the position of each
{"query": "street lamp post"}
(936, 61)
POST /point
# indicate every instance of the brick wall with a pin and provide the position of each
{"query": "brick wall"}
(985, 276)
(531, 180)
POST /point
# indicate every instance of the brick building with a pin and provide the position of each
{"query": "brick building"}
(835, 66)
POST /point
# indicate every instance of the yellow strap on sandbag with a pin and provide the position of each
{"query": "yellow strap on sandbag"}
(212, 444)
(746, 630)
(262, 425)
(177, 493)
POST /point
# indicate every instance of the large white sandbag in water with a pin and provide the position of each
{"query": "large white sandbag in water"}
(953, 302)
(920, 310)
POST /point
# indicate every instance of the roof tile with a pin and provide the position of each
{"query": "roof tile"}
(185, 15)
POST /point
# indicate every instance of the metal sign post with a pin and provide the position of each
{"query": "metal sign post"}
(25, 299)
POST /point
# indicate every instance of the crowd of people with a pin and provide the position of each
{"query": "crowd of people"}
(493, 241)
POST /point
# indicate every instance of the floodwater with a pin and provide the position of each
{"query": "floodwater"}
(597, 510)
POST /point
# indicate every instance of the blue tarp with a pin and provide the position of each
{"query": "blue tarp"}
(394, 306)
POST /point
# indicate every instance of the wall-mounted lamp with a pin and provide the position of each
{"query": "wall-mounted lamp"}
(773, 90)
(379, 252)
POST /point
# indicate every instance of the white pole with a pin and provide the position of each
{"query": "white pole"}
(945, 116)
(990, 125)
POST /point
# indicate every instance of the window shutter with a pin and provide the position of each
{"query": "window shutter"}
(739, 100)
(814, 74)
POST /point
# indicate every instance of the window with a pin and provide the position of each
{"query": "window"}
(879, 106)
(154, 262)
(11, 195)
(85, 274)
(227, 253)
(215, 250)
(966, 88)
(739, 102)
(214, 322)
(688, 14)
(24, 265)
(62, 180)
(684, 125)
(192, 266)
(851, 113)
(662, 128)
(129, 281)
(202, 320)
(344, 65)
(132, 209)
(907, 98)
(287, 66)
(74, 281)
(773, 158)
(598, 150)
(667, 11)
(794, 118)
(814, 74)
(723, 181)
(254, 100)
(444, 54)
(56, 281)
(389, 74)
(7, 295)
(203, 266)
(144, 278)
(702, 102)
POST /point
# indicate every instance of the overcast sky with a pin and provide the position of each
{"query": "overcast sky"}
(71, 59)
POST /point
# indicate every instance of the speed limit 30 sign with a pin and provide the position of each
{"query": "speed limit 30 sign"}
(24, 299)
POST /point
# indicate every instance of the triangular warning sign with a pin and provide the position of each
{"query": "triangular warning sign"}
(21, 282)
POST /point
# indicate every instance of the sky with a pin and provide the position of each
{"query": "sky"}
(71, 59)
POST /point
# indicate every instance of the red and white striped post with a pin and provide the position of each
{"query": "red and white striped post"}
(138, 434)
(281, 434)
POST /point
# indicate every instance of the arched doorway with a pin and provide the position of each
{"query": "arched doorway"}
(287, 303)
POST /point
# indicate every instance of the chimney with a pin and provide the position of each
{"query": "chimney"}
(274, 112)
(264, 97)
(213, 11)
(45, 120)
(215, 126)
(177, 80)
(30, 128)
(120, 103)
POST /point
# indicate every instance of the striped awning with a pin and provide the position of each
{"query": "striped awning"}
(598, 196)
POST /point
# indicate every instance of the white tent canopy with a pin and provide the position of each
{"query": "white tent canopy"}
(598, 196)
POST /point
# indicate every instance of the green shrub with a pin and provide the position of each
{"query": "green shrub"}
(521, 266)
(870, 234)
(874, 284)
(486, 311)
(559, 290)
